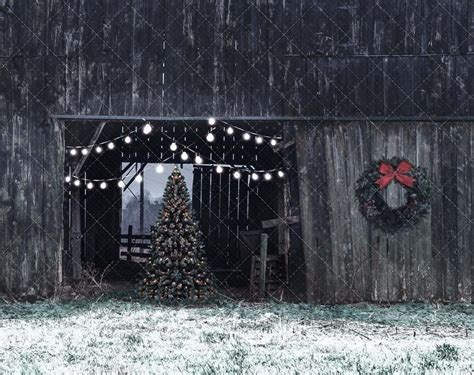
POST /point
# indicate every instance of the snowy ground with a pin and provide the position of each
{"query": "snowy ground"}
(116, 335)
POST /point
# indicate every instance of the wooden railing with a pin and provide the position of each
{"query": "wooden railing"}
(135, 245)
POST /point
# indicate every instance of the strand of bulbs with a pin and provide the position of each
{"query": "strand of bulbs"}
(246, 136)
(147, 129)
(237, 174)
(108, 145)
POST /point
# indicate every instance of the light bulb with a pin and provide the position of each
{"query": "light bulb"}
(121, 184)
(90, 185)
(246, 136)
(237, 175)
(111, 145)
(219, 169)
(77, 183)
(173, 146)
(99, 149)
(67, 179)
(184, 155)
(259, 140)
(198, 159)
(138, 178)
(159, 168)
(254, 176)
(281, 174)
(103, 185)
(211, 120)
(273, 142)
(84, 151)
(147, 128)
(73, 152)
(267, 176)
(128, 139)
(210, 137)
(230, 130)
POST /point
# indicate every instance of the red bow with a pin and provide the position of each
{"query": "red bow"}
(400, 174)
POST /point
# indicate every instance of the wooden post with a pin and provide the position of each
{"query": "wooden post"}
(142, 203)
(129, 242)
(76, 235)
(263, 264)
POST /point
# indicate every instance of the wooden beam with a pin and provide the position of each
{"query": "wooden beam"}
(136, 174)
(263, 264)
(93, 141)
(308, 119)
(276, 222)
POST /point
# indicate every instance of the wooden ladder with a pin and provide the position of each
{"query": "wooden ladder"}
(264, 270)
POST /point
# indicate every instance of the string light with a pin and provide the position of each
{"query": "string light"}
(211, 120)
(159, 168)
(147, 128)
(210, 137)
(237, 174)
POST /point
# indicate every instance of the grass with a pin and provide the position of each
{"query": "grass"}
(117, 336)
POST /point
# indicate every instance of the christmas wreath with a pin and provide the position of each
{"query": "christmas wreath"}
(373, 181)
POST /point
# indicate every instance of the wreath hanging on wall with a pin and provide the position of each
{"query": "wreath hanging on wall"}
(375, 209)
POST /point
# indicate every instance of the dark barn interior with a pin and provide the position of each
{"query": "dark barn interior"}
(230, 211)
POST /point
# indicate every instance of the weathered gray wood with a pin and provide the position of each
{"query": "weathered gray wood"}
(75, 245)
(263, 264)
(430, 260)
(280, 221)
(197, 58)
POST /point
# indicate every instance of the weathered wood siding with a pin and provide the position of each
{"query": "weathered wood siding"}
(31, 162)
(350, 260)
(215, 57)
(223, 57)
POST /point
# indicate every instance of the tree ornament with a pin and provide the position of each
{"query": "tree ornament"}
(372, 183)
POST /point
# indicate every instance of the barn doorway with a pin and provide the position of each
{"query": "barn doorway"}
(234, 170)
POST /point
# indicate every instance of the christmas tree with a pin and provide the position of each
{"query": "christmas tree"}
(177, 269)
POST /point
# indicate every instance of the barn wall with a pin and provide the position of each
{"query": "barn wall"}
(31, 161)
(213, 57)
(350, 260)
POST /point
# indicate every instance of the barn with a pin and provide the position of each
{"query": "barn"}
(337, 85)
